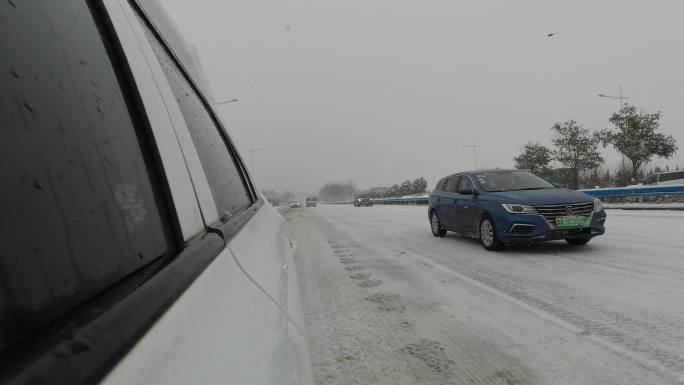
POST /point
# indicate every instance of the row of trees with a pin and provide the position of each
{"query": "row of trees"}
(577, 148)
(407, 187)
(337, 191)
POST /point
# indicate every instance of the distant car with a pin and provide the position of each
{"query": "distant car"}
(311, 202)
(666, 178)
(358, 202)
(294, 204)
(512, 206)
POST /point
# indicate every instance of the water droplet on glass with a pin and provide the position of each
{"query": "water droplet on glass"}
(38, 186)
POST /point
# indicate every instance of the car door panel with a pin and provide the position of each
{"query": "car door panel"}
(445, 203)
(222, 329)
(264, 249)
(450, 203)
(465, 207)
(240, 321)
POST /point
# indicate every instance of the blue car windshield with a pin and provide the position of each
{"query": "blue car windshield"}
(511, 181)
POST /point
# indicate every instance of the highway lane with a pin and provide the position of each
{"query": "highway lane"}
(387, 303)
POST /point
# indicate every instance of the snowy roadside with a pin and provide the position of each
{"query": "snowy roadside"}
(386, 303)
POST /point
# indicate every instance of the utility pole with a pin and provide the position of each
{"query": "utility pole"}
(474, 146)
(252, 151)
(419, 165)
(619, 97)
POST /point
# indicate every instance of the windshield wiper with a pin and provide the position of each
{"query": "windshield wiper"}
(531, 188)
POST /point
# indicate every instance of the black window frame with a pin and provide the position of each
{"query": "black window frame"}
(226, 227)
(239, 162)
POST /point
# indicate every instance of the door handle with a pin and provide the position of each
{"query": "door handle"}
(439, 199)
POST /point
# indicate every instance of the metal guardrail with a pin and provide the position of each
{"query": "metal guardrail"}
(419, 200)
(641, 191)
(601, 193)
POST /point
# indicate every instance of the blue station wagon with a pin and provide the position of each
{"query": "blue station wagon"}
(499, 207)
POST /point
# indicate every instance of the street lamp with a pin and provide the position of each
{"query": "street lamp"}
(474, 147)
(254, 150)
(227, 101)
(619, 97)
(419, 165)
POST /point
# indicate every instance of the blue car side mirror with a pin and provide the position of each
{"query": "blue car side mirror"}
(468, 191)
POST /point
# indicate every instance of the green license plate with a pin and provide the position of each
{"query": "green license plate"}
(566, 222)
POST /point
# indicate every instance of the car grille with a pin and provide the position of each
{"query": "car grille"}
(551, 212)
(564, 233)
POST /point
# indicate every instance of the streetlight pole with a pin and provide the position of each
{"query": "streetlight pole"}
(619, 97)
(419, 165)
(474, 146)
(254, 150)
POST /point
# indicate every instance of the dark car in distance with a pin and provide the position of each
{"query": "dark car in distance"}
(500, 207)
(358, 202)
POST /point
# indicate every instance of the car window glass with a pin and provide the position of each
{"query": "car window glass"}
(81, 209)
(505, 180)
(452, 184)
(225, 181)
(466, 183)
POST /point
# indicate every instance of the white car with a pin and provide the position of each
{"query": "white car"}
(294, 204)
(136, 249)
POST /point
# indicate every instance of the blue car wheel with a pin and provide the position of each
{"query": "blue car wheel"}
(435, 226)
(488, 235)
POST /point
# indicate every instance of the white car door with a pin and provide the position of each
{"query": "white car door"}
(240, 321)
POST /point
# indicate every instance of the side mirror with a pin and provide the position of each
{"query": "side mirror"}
(467, 191)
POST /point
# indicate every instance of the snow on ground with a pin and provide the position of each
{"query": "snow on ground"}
(387, 303)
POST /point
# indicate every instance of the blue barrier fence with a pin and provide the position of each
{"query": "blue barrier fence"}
(419, 200)
(641, 191)
(601, 193)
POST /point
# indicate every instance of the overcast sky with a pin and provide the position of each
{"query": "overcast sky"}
(363, 89)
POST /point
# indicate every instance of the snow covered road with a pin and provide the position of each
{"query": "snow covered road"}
(387, 303)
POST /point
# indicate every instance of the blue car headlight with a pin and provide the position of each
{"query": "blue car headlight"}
(515, 208)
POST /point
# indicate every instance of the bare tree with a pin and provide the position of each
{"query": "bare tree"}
(636, 138)
(335, 192)
(576, 149)
(418, 186)
(535, 158)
